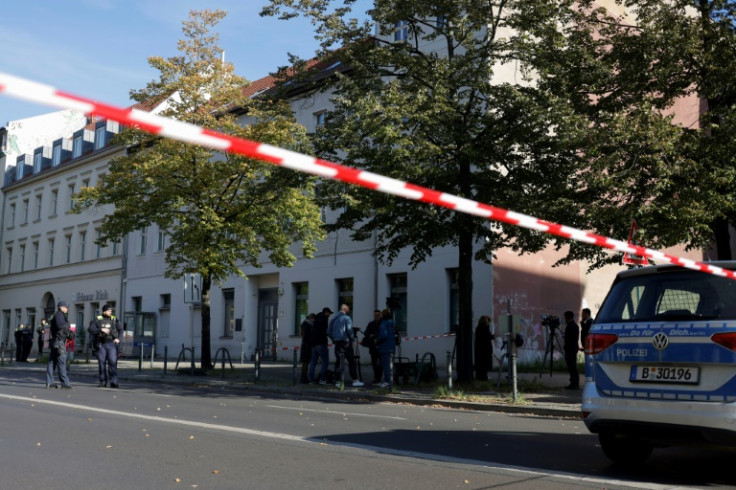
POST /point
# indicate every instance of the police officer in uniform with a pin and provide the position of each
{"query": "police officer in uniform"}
(104, 331)
(60, 332)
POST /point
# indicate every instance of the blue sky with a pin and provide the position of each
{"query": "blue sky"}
(99, 48)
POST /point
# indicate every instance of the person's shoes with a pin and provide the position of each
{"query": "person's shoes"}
(322, 382)
(383, 385)
(114, 385)
(101, 385)
(67, 387)
(48, 387)
(571, 387)
(358, 383)
(338, 385)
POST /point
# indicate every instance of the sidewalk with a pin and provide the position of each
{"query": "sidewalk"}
(538, 394)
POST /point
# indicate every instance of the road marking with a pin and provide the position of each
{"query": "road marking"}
(535, 473)
(338, 412)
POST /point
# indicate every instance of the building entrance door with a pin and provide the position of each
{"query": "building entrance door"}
(268, 325)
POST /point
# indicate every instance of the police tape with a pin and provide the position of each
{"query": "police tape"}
(403, 339)
(45, 94)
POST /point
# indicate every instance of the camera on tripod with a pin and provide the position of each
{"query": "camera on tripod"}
(551, 321)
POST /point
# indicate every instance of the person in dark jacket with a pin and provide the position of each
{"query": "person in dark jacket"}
(572, 347)
(41, 333)
(19, 343)
(319, 346)
(483, 348)
(369, 341)
(386, 343)
(27, 340)
(585, 323)
(104, 331)
(305, 349)
(60, 331)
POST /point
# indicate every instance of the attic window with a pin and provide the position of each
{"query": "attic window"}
(77, 147)
(100, 134)
(401, 31)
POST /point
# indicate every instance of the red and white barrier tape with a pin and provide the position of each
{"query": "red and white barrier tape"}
(171, 128)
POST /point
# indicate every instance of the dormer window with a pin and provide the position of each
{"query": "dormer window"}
(77, 147)
(56, 155)
(100, 134)
(37, 159)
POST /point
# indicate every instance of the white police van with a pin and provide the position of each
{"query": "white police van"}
(660, 362)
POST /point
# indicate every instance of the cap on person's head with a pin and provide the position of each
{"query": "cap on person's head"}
(63, 304)
(327, 309)
(106, 307)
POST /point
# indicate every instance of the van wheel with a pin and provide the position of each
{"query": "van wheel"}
(624, 450)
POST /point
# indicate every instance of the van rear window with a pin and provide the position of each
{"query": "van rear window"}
(669, 296)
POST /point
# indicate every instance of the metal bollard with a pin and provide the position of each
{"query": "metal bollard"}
(449, 370)
(166, 358)
(193, 368)
(342, 371)
(140, 359)
(293, 369)
(153, 349)
(391, 372)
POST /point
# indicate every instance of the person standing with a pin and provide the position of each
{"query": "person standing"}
(105, 331)
(585, 323)
(369, 341)
(572, 347)
(483, 348)
(386, 344)
(318, 342)
(340, 330)
(18, 343)
(27, 340)
(305, 349)
(41, 334)
(60, 332)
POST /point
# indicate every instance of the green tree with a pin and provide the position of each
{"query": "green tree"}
(624, 69)
(220, 211)
(437, 107)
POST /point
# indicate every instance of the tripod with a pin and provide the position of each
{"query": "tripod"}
(553, 340)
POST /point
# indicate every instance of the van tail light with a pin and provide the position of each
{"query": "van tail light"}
(598, 342)
(726, 339)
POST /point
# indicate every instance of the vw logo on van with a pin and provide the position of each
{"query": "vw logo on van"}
(660, 341)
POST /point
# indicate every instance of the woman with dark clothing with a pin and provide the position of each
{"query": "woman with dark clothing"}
(305, 350)
(483, 348)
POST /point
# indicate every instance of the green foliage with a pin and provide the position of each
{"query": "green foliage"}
(220, 211)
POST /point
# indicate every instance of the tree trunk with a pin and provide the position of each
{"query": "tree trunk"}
(723, 239)
(206, 355)
(465, 293)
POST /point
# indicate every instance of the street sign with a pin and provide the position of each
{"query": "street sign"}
(632, 259)
(192, 288)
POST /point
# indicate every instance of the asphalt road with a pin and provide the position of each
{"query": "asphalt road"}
(172, 436)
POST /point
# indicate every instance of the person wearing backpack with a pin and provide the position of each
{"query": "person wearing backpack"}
(60, 333)
(318, 341)
(341, 332)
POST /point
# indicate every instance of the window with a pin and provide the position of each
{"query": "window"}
(51, 252)
(35, 255)
(100, 137)
(441, 21)
(229, 308)
(82, 244)
(454, 298)
(39, 202)
(22, 257)
(301, 305)
(9, 254)
(56, 155)
(68, 239)
(142, 242)
(71, 197)
(98, 250)
(319, 118)
(54, 201)
(115, 248)
(77, 147)
(398, 283)
(37, 159)
(345, 293)
(160, 243)
(25, 212)
(401, 31)
(11, 218)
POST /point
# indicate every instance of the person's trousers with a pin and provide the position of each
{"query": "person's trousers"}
(319, 352)
(571, 358)
(107, 363)
(345, 350)
(57, 361)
